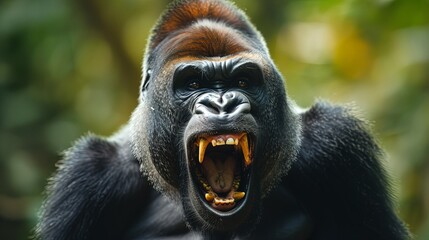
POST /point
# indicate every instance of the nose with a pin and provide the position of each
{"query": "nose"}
(222, 105)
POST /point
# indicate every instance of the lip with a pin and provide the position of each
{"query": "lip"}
(202, 176)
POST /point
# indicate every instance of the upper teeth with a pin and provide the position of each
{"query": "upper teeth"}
(230, 140)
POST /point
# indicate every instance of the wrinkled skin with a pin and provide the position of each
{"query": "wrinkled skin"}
(215, 149)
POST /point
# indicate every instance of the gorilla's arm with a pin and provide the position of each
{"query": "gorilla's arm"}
(338, 177)
(96, 193)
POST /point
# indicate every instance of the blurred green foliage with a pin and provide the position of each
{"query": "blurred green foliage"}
(69, 67)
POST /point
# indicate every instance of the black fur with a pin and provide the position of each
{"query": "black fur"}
(97, 186)
(340, 162)
(316, 174)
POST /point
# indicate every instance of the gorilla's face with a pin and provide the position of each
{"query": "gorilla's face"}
(221, 137)
(213, 124)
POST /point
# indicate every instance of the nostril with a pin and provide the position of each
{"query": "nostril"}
(228, 95)
(244, 108)
(206, 106)
(230, 101)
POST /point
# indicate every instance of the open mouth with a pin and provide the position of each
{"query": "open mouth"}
(220, 166)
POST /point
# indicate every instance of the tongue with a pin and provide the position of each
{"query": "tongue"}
(219, 173)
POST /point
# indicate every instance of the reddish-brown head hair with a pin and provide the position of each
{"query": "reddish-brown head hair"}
(202, 27)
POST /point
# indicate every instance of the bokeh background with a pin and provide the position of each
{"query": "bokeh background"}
(68, 67)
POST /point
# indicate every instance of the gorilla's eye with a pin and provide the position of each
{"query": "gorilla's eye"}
(243, 82)
(193, 85)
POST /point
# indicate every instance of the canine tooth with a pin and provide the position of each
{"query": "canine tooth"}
(220, 141)
(230, 141)
(202, 149)
(244, 143)
(214, 143)
(238, 195)
(209, 196)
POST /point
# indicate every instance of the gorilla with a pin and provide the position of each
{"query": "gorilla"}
(217, 150)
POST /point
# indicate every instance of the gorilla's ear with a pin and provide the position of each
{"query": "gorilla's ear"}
(147, 75)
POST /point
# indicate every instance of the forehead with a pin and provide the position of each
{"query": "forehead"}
(205, 39)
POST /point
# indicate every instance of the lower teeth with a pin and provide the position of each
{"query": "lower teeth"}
(230, 199)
